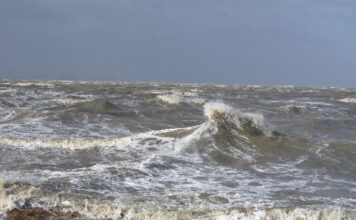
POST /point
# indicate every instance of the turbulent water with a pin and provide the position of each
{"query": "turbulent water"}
(178, 151)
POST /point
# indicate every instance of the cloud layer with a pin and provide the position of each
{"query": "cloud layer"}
(248, 42)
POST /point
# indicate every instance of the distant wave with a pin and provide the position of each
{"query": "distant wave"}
(29, 83)
(347, 100)
(7, 90)
(179, 97)
(171, 99)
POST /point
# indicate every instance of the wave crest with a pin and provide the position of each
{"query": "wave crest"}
(347, 100)
(170, 99)
(253, 123)
(226, 135)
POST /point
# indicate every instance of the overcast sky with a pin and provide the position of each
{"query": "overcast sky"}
(298, 42)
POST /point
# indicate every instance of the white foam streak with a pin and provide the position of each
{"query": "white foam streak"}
(348, 100)
(203, 131)
(196, 100)
(29, 83)
(67, 101)
(7, 90)
(74, 144)
(178, 97)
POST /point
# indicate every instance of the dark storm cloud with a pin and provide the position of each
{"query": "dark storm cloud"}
(255, 42)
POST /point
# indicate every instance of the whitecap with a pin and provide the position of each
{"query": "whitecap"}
(347, 100)
(170, 99)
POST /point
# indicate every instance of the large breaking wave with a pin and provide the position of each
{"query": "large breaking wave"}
(221, 117)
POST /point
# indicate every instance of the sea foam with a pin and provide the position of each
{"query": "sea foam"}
(348, 100)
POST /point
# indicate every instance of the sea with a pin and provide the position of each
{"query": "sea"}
(116, 150)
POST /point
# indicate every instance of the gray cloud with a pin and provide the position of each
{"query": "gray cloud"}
(250, 42)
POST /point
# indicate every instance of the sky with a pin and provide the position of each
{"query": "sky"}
(274, 42)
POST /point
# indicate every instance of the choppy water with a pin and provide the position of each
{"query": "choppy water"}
(173, 151)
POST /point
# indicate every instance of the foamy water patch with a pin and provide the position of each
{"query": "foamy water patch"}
(68, 101)
(16, 195)
(199, 101)
(7, 90)
(347, 100)
(176, 99)
(204, 131)
(26, 84)
(72, 144)
(7, 115)
(170, 99)
(133, 140)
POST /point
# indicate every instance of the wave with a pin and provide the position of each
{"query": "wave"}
(29, 83)
(7, 90)
(228, 137)
(231, 118)
(176, 98)
(220, 116)
(347, 100)
(170, 99)
(14, 195)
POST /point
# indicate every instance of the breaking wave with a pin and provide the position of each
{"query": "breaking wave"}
(171, 99)
(348, 100)
(177, 98)
(23, 196)
(221, 117)
(234, 119)
(228, 137)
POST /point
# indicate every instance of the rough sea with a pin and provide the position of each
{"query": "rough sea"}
(178, 151)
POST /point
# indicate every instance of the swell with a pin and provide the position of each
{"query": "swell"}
(100, 107)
